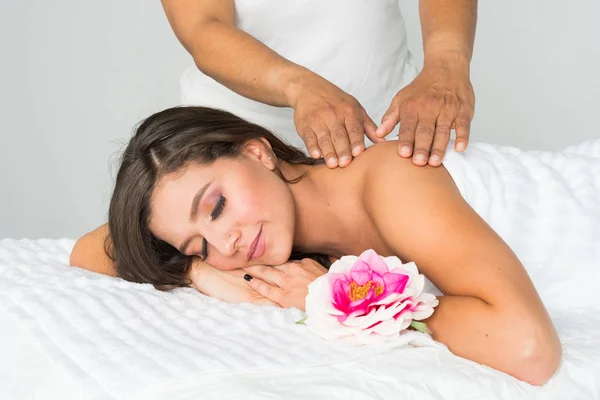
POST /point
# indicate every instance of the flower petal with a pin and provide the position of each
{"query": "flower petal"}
(339, 295)
(360, 273)
(319, 298)
(374, 261)
(422, 314)
(394, 282)
(343, 265)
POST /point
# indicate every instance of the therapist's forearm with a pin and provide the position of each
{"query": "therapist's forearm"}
(245, 65)
(448, 28)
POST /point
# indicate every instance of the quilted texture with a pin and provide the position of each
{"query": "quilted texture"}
(129, 336)
(546, 206)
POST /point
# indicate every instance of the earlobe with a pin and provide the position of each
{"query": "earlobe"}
(270, 162)
(260, 150)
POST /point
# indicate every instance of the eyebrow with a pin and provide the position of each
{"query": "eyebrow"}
(194, 212)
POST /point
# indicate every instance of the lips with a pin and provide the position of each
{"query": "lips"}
(257, 247)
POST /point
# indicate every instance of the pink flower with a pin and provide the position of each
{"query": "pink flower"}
(367, 299)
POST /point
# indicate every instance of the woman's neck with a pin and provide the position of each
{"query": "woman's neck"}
(323, 211)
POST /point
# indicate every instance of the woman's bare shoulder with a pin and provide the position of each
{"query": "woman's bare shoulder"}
(384, 149)
(383, 159)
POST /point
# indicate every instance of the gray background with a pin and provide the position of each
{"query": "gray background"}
(76, 76)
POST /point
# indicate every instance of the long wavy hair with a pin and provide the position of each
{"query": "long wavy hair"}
(162, 144)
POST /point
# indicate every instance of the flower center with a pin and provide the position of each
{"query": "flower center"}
(360, 292)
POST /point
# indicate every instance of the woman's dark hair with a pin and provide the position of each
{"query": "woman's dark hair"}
(162, 144)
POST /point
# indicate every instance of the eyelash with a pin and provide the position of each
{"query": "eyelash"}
(218, 208)
(204, 249)
(214, 215)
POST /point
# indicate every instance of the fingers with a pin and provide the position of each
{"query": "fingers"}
(263, 301)
(443, 128)
(311, 142)
(423, 139)
(270, 292)
(370, 128)
(389, 120)
(332, 125)
(463, 130)
(341, 143)
(335, 142)
(406, 134)
(326, 145)
(425, 134)
(356, 135)
(268, 274)
(287, 267)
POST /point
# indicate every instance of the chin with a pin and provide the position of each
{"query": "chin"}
(280, 256)
(278, 259)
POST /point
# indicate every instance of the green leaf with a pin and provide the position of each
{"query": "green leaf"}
(420, 326)
(302, 321)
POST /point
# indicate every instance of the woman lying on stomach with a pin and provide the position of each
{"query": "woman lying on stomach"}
(202, 195)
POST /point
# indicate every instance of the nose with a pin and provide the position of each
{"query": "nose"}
(232, 238)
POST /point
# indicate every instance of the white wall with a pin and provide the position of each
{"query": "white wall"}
(76, 76)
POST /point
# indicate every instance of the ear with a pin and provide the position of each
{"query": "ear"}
(261, 151)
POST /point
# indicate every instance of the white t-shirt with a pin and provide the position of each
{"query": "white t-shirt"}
(359, 45)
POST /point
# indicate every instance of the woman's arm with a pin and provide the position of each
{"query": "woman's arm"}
(491, 312)
(89, 252)
(228, 286)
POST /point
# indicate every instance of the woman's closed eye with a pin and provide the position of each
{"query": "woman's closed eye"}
(213, 215)
(204, 254)
(218, 208)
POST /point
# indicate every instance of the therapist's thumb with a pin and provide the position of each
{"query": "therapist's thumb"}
(389, 121)
(370, 128)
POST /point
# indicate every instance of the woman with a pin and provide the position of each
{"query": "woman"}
(197, 184)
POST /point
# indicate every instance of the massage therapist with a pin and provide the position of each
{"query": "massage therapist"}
(323, 74)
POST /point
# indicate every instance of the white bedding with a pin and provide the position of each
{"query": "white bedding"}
(109, 338)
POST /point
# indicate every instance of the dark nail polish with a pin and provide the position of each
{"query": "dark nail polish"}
(247, 277)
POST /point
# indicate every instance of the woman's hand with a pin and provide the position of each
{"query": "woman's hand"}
(228, 286)
(285, 285)
(440, 98)
(331, 122)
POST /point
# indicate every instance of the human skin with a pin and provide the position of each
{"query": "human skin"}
(490, 312)
(331, 122)
(441, 97)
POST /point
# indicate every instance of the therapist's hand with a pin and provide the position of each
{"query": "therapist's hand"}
(331, 122)
(440, 99)
(287, 284)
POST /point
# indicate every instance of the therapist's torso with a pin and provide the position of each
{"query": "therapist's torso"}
(359, 45)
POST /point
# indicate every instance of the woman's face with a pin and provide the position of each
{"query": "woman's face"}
(235, 212)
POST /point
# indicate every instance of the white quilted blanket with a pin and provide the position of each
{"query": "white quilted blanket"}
(122, 340)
